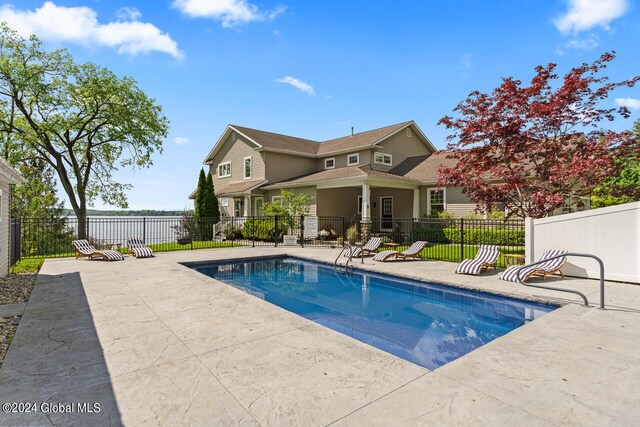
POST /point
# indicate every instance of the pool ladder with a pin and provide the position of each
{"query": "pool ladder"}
(337, 266)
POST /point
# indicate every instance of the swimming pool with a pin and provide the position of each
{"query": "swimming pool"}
(424, 323)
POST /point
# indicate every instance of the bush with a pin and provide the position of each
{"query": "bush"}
(263, 229)
(472, 236)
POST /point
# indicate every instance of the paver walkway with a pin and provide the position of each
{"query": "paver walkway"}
(153, 342)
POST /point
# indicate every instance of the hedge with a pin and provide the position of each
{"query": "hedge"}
(262, 229)
(472, 236)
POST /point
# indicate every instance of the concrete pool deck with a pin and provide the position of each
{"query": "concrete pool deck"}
(154, 342)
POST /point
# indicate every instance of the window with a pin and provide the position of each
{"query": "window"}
(359, 205)
(224, 170)
(247, 168)
(330, 163)
(223, 201)
(436, 201)
(383, 159)
(353, 159)
(276, 199)
(408, 132)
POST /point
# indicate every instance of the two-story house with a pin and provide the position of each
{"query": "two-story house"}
(382, 173)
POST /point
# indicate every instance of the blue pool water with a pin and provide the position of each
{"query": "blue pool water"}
(427, 324)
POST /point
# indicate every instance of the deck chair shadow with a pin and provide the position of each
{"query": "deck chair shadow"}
(486, 257)
(412, 252)
(85, 249)
(369, 248)
(138, 249)
(545, 269)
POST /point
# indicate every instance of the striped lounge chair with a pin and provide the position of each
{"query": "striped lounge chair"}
(138, 249)
(412, 252)
(485, 258)
(85, 249)
(550, 267)
(370, 247)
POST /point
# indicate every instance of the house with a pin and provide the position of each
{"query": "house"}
(382, 173)
(8, 177)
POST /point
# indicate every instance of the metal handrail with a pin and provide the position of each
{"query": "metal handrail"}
(584, 298)
(346, 264)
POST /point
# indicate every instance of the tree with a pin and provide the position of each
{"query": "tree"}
(289, 207)
(625, 187)
(211, 208)
(200, 195)
(533, 147)
(80, 119)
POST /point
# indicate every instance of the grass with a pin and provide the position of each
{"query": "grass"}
(451, 252)
(28, 265)
(173, 246)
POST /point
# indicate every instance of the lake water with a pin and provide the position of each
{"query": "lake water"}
(111, 229)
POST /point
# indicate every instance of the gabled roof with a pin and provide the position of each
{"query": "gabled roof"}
(423, 168)
(336, 174)
(270, 141)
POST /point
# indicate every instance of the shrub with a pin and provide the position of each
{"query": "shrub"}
(263, 229)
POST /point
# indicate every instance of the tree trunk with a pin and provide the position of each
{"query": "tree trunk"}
(81, 214)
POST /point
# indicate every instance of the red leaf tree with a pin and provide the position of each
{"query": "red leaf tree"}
(533, 147)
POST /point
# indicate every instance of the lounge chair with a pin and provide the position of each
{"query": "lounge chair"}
(486, 257)
(85, 249)
(138, 249)
(550, 267)
(370, 247)
(412, 252)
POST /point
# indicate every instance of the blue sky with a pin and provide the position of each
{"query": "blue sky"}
(314, 69)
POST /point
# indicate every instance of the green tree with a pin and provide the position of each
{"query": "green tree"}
(289, 207)
(625, 186)
(211, 208)
(199, 200)
(80, 119)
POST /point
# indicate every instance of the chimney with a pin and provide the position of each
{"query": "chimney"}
(351, 130)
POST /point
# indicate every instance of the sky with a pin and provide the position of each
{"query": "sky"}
(314, 69)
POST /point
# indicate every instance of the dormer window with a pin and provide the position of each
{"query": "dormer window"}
(224, 170)
(353, 159)
(330, 163)
(383, 159)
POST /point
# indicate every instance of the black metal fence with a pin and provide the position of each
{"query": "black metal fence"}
(449, 239)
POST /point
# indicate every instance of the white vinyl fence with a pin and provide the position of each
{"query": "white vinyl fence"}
(611, 233)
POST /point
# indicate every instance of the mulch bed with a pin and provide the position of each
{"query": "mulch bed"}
(14, 289)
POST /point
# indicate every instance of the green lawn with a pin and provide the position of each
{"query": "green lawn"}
(451, 252)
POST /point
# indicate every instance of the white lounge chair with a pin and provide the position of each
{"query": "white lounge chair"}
(85, 249)
(138, 249)
(550, 267)
(486, 257)
(370, 247)
(412, 252)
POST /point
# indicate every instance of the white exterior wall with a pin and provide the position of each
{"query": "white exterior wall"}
(611, 233)
(4, 228)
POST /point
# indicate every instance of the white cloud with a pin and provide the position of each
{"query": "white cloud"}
(298, 84)
(466, 61)
(79, 25)
(589, 43)
(586, 14)
(180, 140)
(128, 14)
(632, 103)
(230, 12)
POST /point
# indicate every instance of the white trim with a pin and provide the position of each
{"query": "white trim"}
(274, 198)
(244, 167)
(444, 198)
(357, 162)
(224, 204)
(382, 162)
(333, 159)
(223, 164)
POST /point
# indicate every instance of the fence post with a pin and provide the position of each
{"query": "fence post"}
(87, 228)
(461, 239)
(144, 229)
(253, 231)
(276, 232)
(344, 231)
(302, 231)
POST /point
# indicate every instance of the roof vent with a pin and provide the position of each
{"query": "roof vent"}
(351, 130)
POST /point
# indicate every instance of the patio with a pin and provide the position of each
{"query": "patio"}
(155, 342)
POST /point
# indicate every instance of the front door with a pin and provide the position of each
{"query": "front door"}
(386, 203)
(259, 201)
(238, 207)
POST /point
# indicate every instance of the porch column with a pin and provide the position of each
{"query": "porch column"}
(247, 205)
(416, 203)
(366, 205)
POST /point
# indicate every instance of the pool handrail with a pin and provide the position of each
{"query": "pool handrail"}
(584, 298)
(346, 264)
